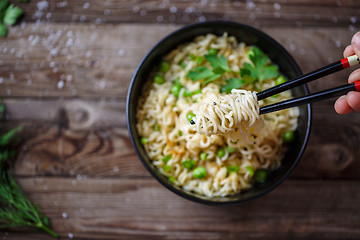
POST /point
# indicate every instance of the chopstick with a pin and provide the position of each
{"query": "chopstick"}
(333, 92)
(321, 72)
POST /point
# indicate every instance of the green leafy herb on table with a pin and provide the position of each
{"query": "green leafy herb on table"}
(9, 14)
(16, 208)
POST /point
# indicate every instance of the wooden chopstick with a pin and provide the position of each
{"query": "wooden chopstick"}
(321, 72)
(330, 93)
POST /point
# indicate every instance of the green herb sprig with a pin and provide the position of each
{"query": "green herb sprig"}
(9, 15)
(16, 208)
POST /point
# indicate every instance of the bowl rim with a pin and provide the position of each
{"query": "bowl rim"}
(183, 193)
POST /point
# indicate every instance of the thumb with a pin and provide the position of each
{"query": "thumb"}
(355, 42)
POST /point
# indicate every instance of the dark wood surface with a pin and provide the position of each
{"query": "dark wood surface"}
(64, 75)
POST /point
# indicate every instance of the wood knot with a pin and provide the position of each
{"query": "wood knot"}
(80, 115)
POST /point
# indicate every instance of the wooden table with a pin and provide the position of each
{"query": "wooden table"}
(64, 76)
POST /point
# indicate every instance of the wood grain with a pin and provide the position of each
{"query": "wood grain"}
(90, 138)
(327, 13)
(62, 60)
(121, 208)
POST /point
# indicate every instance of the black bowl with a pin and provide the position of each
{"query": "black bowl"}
(250, 36)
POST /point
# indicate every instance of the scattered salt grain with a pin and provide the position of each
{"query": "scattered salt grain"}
(353, 19)
(143, 12)
(71, 236)
(42, 5)
(107, 12)
(173, 9)
(159, 18)
(86, 5)
(122, 52)
(338, 44)
(62, 4)
(277, 6)
(60, 84)
(116, 169)
(1, 80)
(277, 14)
(65, 215)
(136, 9)
(202, 19)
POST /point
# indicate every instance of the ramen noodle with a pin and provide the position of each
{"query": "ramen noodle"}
(198, 116)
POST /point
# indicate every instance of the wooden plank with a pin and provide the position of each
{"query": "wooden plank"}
(327, 13)
(90, 138)
(121, 208)
(84, 60)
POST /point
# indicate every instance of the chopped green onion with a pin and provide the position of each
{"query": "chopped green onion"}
(166, 158)
(172, 179)
(232, 168)
(213, 51)
(221, 152)
(188, 93)
(199, 60)
(260, 175)
(199, 172)
(189, 164)
(190, 116)
(159, 79)
(230, 149)
(180, 133)
(182, 64)
(281, 79)
(175, 89)
(250, 170)
(156, 127)
(197, 92)
(275, 96)
(203, 155)
(288, 136)
(166, 168)
(144, 140)
(164, 66)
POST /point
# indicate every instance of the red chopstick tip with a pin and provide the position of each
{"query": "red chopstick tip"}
(345, 63)
(357, 86)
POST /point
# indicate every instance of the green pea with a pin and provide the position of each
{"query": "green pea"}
(281, 79)
(199, 60)
(166, 158)
(199, 172)
(166, 168)
(231, 169)
(288, 136)
(213, 51)
(260, 175)
(230, 149)
(172, 179)
(175, 89)
(189, 164)
(221, 152)
(188, 93)
(180, 133)
(159, 79)
(144, 140)
(203, 155)
(190, 116)
(164, 66)
(250, 170)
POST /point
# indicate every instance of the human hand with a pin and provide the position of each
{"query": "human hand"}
(351, 101)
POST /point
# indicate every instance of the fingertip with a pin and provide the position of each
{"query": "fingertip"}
(354, 76)
(349, 50)
(353, 99)
(355, 42)
(341, 105)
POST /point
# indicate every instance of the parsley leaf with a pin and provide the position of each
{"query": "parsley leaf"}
(3, 4)
(261, 69)
(219, 65)
(12, 13)
(218, 62)
(3, 30)
(231, 84)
